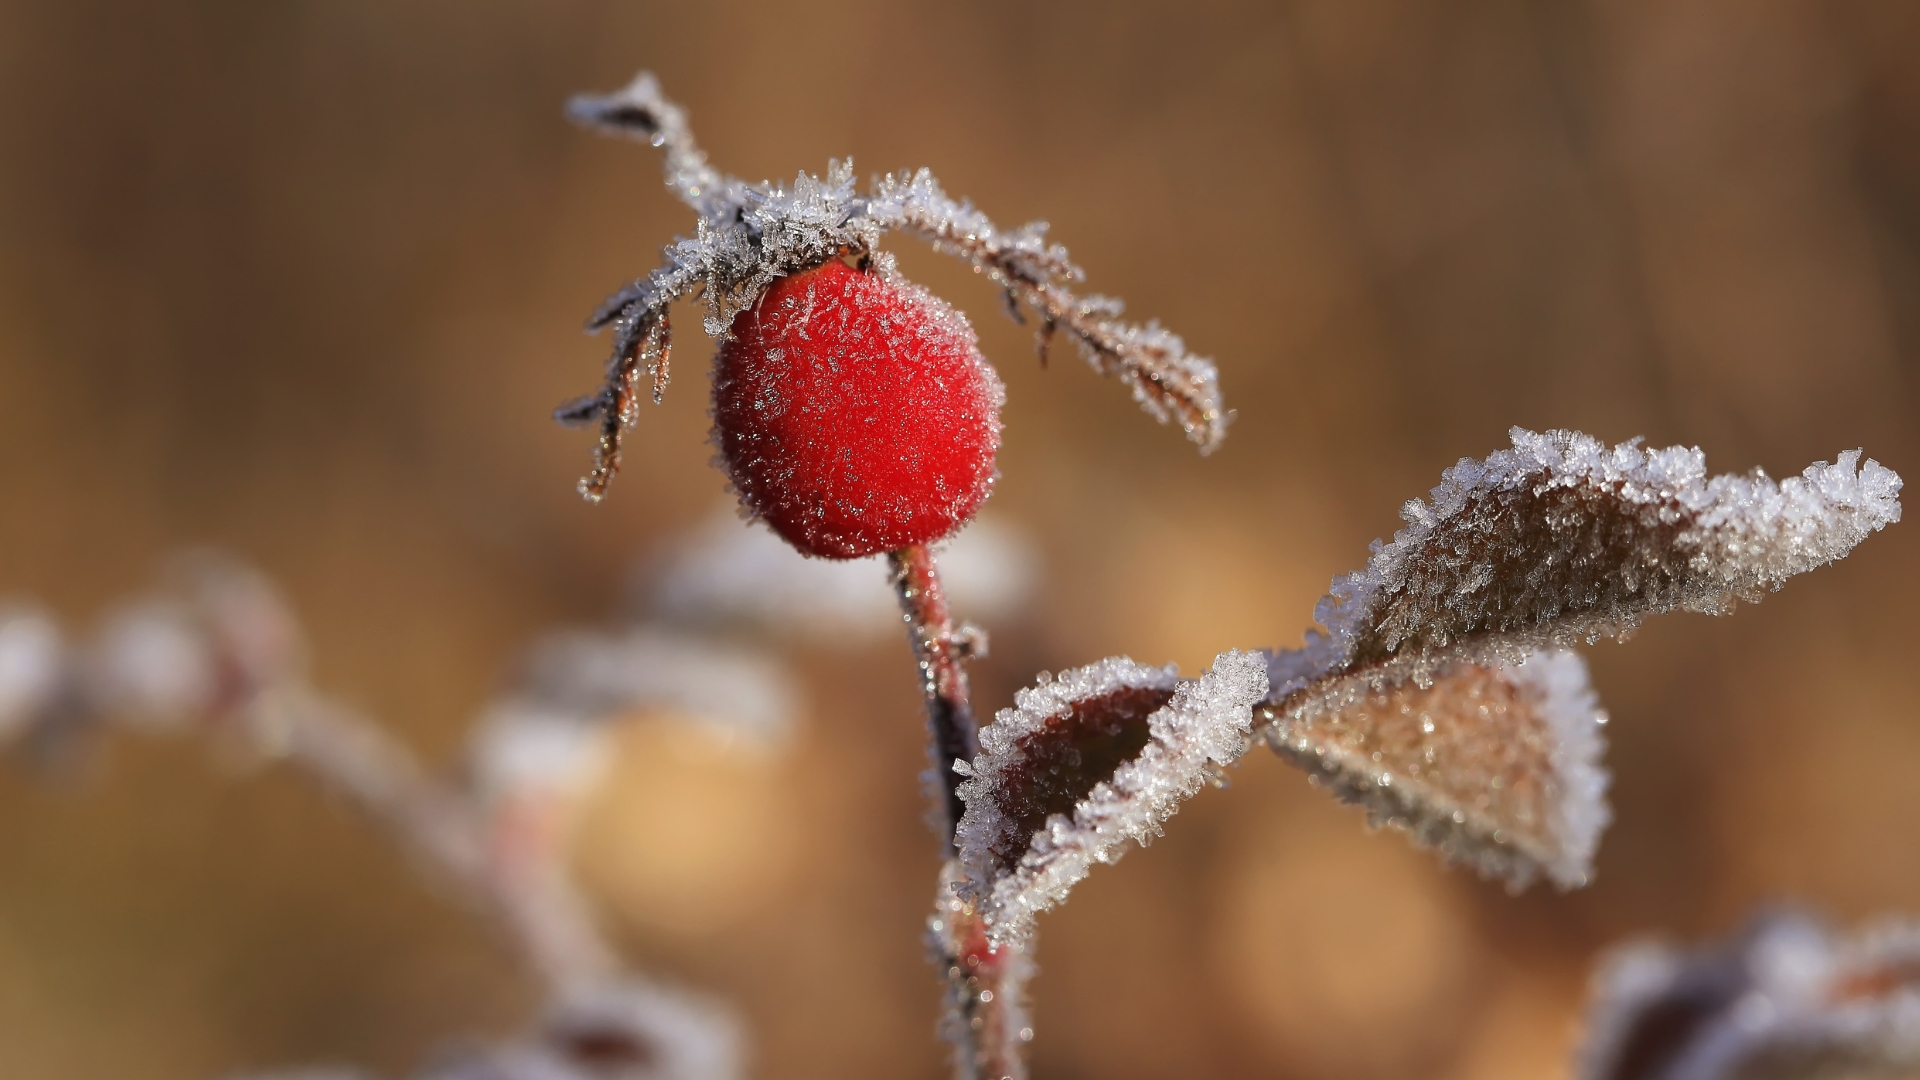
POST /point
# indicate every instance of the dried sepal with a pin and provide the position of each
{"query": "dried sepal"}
(1562, 539)
(639, 111)
(1785, 1000)
(749, 235)
(1497, 766)
(1083, 764)
(1168, 381)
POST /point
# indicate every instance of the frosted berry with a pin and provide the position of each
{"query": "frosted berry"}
(854, 412)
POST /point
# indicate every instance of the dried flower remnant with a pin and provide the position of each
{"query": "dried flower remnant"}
(1084, 764)
(1784, 1000)
(1440, 696)
(752, 238)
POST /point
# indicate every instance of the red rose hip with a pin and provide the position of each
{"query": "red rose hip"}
(854, 412)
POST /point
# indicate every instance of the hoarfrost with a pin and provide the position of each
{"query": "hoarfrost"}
(1497, 766)
(1084, 763)
(1440, 696)
(1785, 1000)
(747, 236)
(1562, 539)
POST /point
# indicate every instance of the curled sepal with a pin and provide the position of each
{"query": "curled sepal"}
(1084, 763)
(1497, 766)
(1785, 1000)
(1563, 539)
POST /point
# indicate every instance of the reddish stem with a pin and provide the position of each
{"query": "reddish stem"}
(985, 1019)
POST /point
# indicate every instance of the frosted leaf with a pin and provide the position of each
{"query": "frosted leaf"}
(32, 667)
(152, 666)
(726, 572)
(749, 235)
(1497, 766)
(1083, 764)
(1556, 541)
(1783, 1001)
(1562, 539)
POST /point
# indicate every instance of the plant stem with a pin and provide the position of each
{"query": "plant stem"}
(943, 677)
(985, 1020)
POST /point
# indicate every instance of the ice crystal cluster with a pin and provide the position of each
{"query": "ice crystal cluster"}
(748, 236)
(1786, 999)
(1085, 763)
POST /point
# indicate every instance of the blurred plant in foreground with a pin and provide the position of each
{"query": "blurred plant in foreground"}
(215, 652)
(1785, 999)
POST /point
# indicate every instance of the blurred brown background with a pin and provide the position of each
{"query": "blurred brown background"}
(303, 279)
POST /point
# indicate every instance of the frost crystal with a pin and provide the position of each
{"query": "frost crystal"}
(1084, 763)
(1783, 1001)
(1440, 696)
(1561, 540)
(1497, 766)
(748, 236)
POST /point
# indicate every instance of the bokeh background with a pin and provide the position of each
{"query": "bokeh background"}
(303, 278)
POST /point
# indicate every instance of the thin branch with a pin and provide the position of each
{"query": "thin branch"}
(985, 1021)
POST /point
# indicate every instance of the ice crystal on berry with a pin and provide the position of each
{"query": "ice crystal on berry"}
(854, 413)
(749, 238)
(1784, 1000)
(1085, 763)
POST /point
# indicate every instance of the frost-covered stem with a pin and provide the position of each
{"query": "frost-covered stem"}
(984, 1021)
(943, 677)
(538, 915)
(986, 1018)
